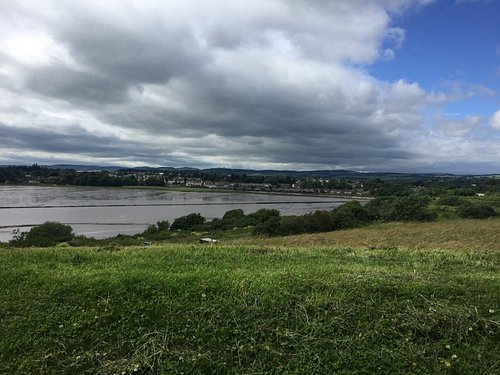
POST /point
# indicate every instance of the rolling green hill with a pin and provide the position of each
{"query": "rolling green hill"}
(348, 302)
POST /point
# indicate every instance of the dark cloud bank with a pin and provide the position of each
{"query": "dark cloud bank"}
(254, 84)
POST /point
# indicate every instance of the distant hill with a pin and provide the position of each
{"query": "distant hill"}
(335, 173)
(86, 168)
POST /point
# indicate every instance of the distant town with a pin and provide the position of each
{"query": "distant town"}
(340, 183)
(187, 178)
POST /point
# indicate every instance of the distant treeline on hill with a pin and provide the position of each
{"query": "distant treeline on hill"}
(377, 185)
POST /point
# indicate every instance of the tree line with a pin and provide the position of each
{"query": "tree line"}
(270, 222)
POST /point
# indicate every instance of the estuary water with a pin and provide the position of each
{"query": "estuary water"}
(105, 212)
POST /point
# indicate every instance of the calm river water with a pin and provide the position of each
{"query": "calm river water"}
(105, 212)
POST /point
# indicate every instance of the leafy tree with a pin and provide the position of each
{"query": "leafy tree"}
(450, 200)
(291, 225)
(413, 207)
(349, 215)
(476, 211)
(188, 222)
(263, 215)
(380, 208)
(465, 192)
(270, 227)
(318, 221)
(47, 234)
(232, 219)
(150, 231)
(163, 225)
(233, 214)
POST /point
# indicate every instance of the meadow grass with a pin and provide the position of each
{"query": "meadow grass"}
(459, 234)
(249, 309)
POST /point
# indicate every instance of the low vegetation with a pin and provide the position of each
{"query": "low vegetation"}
(399, 285)
(269, 222)
(455, 235)
(247, 309)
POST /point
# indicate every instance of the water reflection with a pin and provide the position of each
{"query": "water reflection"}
(104, 212)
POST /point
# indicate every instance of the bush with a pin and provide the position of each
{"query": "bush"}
(349, 215)
(47, 234)
(263, 215)
(188, 222)
(413, 207)
(318, 221)
(150, 231)
(233, 214)
(476, 211)
(380, 208)
(291, 225)
(464, 192)
(450, 200)
(231, 219)
(270, 227)
(163, 225)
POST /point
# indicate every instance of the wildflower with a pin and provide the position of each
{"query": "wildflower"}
(448, 346)
(454, 356)
(447, 363)
(491, 311)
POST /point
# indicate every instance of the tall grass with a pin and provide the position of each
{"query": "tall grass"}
(452, 234)
(249, 310)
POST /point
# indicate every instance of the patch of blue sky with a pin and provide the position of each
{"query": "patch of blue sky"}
(447, 41)
(470, 107)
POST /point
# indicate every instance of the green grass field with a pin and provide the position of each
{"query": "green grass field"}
(317, 304)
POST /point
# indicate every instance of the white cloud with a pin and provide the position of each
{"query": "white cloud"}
(256, 83)
(460, 128)
(495, 120)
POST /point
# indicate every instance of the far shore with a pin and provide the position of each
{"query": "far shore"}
(186, 189)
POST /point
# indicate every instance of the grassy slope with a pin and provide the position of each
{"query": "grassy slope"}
(452, 235)
(270, 307)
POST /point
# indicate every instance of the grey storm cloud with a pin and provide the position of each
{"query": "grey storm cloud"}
(78, 87)
(78, 140)
(246, 83)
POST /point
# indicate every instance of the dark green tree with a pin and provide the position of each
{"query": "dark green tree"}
(188, 222)
(349, 215)
(47, 234)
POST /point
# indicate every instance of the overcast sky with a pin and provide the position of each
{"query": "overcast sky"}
(380, 85)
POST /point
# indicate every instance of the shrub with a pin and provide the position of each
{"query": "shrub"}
(188, 222)
(233, 214)
(263, 215)
(380, 208)
(163, 225)
(476, 211)
(318, 221)
(291, 225)
(450, 200)
(413, 207)
(232, 219)
(349, 215)
(47, 234)
(270, 227)
(150, 230)
(464, 192)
